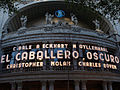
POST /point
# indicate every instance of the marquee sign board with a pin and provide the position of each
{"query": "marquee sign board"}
(60, 55)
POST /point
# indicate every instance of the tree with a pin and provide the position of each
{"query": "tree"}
(107, 8)
(111, 8)
(8, 5)
(11, 5)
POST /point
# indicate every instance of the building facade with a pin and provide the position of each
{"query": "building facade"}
(50, 46)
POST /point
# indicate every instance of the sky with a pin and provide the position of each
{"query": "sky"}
(4, 16)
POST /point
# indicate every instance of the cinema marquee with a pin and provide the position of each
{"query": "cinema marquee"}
(60, 55)
(47, 45)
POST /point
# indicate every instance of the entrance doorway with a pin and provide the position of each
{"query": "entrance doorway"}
(63, 85)
(32, 85)
(94, 85)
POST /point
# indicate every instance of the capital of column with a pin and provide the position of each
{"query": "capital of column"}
(51, 81)
(109, 82)
(43, 82)
(76, 81)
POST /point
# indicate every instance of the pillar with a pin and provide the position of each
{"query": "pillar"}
(75, 64)
(43, 85)
(13, 85)
(51, 85)
(77, 85)
(84, 85)
(74, 60)
(19, 85)
(109, 85)
(44, 64)
(104, 85)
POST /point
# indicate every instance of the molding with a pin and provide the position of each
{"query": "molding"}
(59, 75)
(57, 33)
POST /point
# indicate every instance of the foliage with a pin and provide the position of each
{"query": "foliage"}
(11, 6)
(7, 5)
(108, 8)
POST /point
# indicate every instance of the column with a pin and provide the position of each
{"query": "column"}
(104, 85)
(44, 64)
(84, 85)
(51, 85)
(74, 60)
(75, 64)
(13, 85)
(109, 85)
(77, 85)
(19, 85)
(43, 85)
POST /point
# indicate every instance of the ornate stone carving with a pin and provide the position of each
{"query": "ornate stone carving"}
(49, 18)
(100, 34)
(23, 20)
(74, 19)
(4, 32)
(48, 28)
(97, 24)
(21, 31)
(76, 29)
(61, 27)
(60, 23)
(23, 28)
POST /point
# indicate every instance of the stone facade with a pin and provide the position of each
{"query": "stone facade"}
(48, 76)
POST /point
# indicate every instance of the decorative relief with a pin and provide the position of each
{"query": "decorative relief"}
(55, 27)
(49, 19)
(48, 29)
(97, 26)
(76, 29)
(74, 19)
(5, 31)
(50, 25)
(101, 34)
(23, 28)
(22, 31)
(23, 20)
